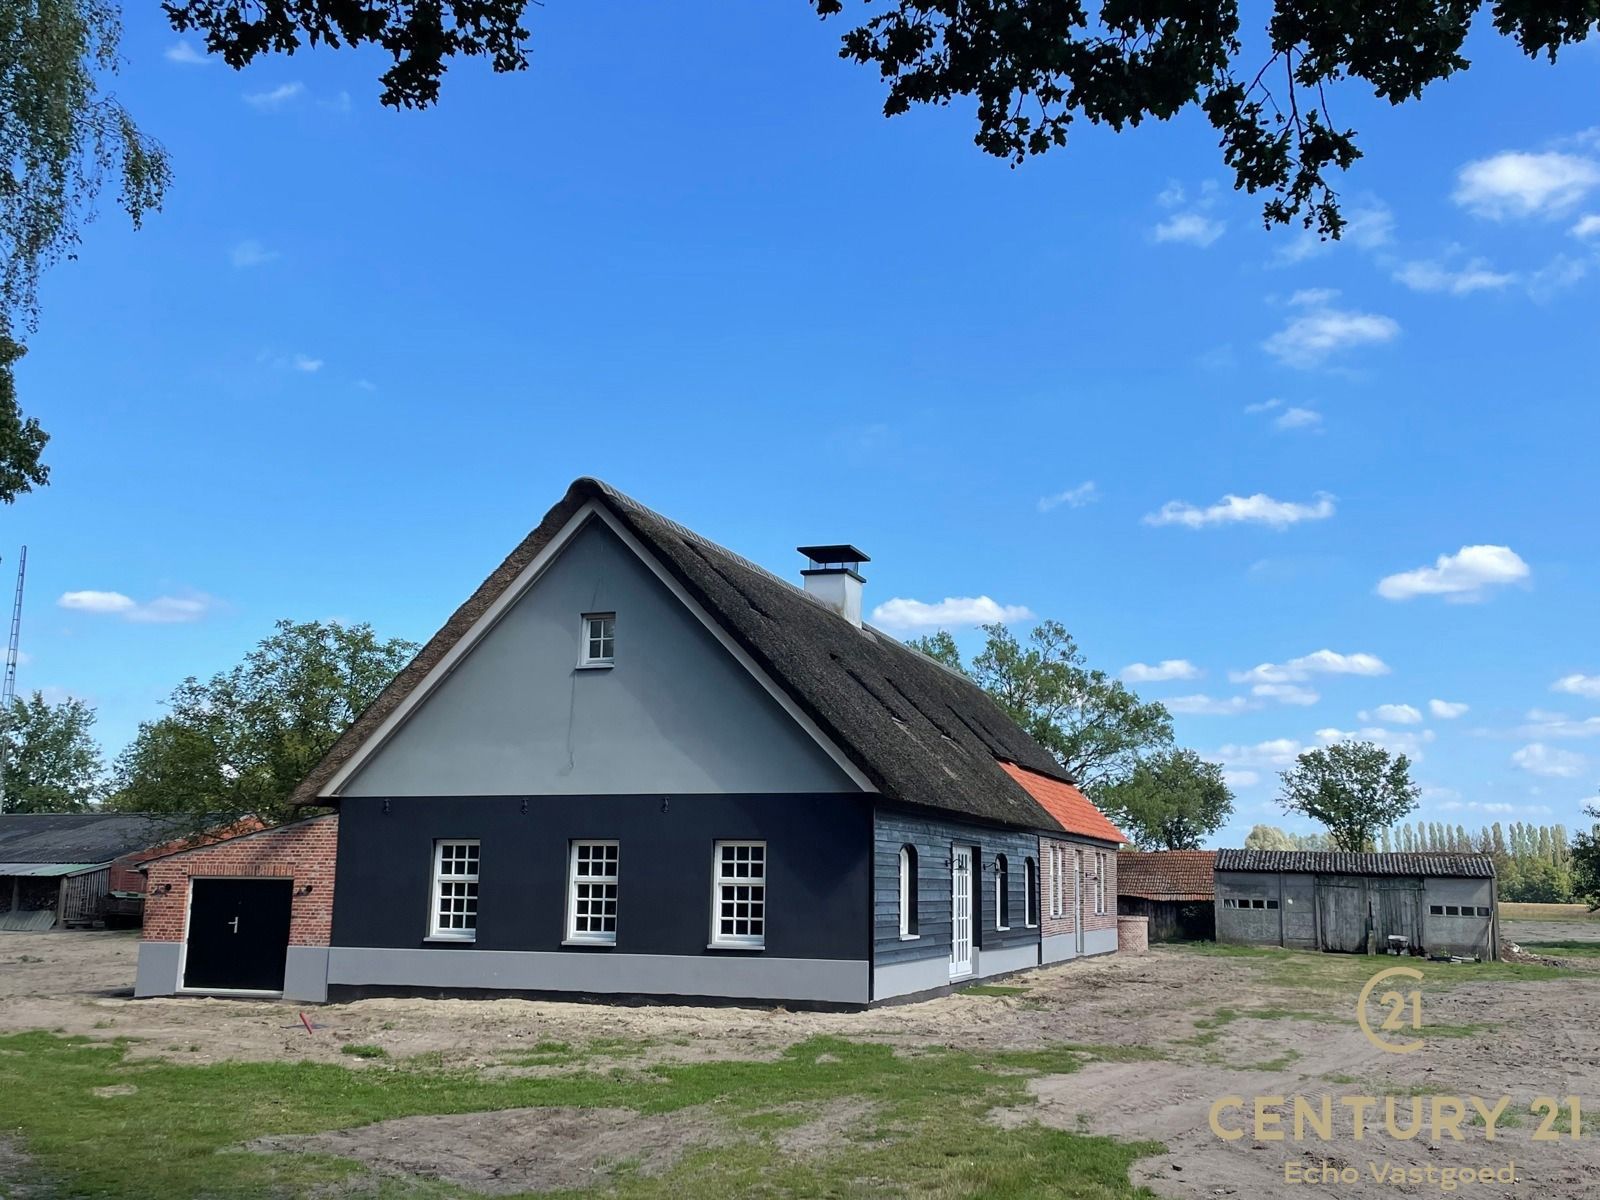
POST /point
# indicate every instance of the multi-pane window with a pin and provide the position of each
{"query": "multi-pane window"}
(592, 894)
(908, 891)
(1100, 882)
(1058, 886)
(739, 894)
(455, 890)
(599, 639)
(1030, 898)
(1002, 892)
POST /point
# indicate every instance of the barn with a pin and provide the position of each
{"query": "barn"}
(1428, 904)
(1172, 889)
(55, 868)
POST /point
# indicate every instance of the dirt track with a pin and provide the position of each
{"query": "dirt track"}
(1534, 1038)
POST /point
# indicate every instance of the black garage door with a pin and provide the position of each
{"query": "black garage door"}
(238, 934)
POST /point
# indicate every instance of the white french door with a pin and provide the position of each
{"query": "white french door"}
(960, 911)
(1077, 896)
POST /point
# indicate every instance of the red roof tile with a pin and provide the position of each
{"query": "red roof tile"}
(1076, 813)
(1166, 874)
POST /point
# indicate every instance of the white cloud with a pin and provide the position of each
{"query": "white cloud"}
(1366, 228)
(1462, 576)
(163, 610)
(1543, 724)
(1446, 710)
(1395, 714)
(1395, 741)
(1259, 509)
(1286, 693)
(1167, 668)
(1241, 779)
(1474, 275)
(1189, 228)
(1578, 685)
(183, 52)
(1516, 184)
(1311, 338)
(1588, 226)
(276, 98)
(96, 602)
(1555, 276)
(1074, 497)
(1298, 418)
(251, 253)
(1274, 753)
(1318, 662)
(304, 362)
(1538, 759)
(949, 613)
(1202, 705)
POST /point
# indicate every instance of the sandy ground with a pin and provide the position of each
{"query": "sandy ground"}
(1537, 1039)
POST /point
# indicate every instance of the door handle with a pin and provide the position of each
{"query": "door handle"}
(235, 924)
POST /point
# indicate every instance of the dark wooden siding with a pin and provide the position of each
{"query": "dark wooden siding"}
(932, 838)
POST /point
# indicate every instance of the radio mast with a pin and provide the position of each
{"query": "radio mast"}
(9, 692)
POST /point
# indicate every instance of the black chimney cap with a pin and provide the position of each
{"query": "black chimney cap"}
(834, 554)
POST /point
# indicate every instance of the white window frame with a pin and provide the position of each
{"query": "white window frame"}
(1058, 880)
(588, 639)
(1100, 883)
(575, 881)
(437, 932)
(736, 941)
(1002, 886)
(1030, 893)
(908, 893)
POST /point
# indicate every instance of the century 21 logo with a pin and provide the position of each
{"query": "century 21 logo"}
(1403, 1011)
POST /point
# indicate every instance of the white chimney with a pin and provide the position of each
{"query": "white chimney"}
(834, 578)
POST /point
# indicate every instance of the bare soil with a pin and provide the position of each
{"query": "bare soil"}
(1522, 1039)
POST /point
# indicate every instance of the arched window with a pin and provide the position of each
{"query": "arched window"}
(1002, 893)
(1030, 897)
(908, 891)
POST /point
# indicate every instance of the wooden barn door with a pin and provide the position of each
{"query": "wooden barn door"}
(1397, 910)
(1342, 914)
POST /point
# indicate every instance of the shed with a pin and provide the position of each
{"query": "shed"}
(1173, 889)
(55, 867)
(1429, 904)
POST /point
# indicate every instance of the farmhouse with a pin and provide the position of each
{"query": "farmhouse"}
(56, 868)
(1172, 889)
(1435, 904)
(634, 763)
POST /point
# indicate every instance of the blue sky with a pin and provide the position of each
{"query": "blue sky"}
(360, 352)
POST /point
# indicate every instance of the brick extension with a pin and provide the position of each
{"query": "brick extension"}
(1053, 926)
(303, 851)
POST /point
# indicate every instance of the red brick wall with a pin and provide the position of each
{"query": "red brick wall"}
(125, 873)
(303, 851)
(1052, 926)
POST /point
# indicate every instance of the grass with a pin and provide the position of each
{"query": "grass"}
(993, 989)
(355, 1050)
(1335, 974)
(1572, 947)
(928, 1134)
(1546, 912)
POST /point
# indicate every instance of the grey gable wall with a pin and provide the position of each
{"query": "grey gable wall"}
(677, 714)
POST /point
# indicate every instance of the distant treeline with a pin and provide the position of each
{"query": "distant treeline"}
(1534, 862)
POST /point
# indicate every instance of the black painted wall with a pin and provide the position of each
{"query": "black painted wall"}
(932, 837)
(818, 886)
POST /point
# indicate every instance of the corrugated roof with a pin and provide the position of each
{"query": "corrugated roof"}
(920, 733)
(1166, 874)
(1337, 862)
(44, 870)
(81, 837)
(1072, 810)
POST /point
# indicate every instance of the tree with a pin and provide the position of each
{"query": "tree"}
(62, 134)
(1031, 67)
(239, 743)
(50, 759)
(1353, 788)
(1171, 800)
(1269, 837)
(1094, 725)
(1585, 859)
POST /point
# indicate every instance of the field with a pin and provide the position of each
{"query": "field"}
(1547, 912)
(1092, 1080)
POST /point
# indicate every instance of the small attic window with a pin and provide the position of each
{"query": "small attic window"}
(599, 640)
